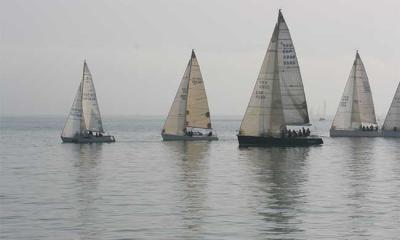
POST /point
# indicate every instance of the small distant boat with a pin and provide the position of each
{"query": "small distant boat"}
(189, 116)
(278, 99)
(323, 116)
(355, 116)
(391, 126)
(84, 123)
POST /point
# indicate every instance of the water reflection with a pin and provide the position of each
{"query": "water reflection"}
(193, 164)
(280, 175)
(87, 167)
(359, 174)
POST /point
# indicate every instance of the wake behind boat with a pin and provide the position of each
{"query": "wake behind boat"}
(355, 116)
(189, 116)
(391, 126)
(278, 99)
(84, 123)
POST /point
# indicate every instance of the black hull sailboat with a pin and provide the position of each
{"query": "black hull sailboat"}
(278, 100)
(252, 141)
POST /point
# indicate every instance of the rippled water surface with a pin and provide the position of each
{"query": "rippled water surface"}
(143, 188)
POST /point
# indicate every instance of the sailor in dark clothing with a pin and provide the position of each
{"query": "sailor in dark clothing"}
(363, 128)
(304, 131)
(308, 132)
(290, 133)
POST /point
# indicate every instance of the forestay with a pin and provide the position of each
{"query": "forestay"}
(278, 97)
(197, 111)
(90, 106)
(356, 107)
(393, 117)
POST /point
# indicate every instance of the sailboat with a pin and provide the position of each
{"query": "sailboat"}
(278, 100)
(189, 116)
(84, 123)
(323, 116)
(355, 116)
(391, 126)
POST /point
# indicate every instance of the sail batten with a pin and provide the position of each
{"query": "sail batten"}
(392, 120)
(278, 97)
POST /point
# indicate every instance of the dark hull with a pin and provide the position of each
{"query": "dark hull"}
(252, 141)
(394, 134)
(92, 139)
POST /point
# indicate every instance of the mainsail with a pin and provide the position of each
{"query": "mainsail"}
(197, 111)
(392, 120)
(356, 108)
(90, 106)
(278, 98)
(190, 106)
(84, 113)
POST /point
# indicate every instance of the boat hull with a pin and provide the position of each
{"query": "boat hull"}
(395, 134)
(92, 139)
(171, 137)
(254, 141)
(354, 133)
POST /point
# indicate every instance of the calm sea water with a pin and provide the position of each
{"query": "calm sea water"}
(143, 188)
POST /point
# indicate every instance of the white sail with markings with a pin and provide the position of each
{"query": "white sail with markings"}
(90, 105)
(190, 106)
(197, 111)
(392, 120)
(356, 107)
(278, 98)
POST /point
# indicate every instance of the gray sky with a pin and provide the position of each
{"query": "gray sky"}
(137, 51)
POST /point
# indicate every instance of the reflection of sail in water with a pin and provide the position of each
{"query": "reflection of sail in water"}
(280, 176)
(193, 178)
(87, 170)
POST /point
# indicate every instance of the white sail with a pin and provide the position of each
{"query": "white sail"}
(356, 107)
(392, 119)
(74, 123)
(292, 91)
(197, 111)
(90, 107)
(176, 120)
(278, 97)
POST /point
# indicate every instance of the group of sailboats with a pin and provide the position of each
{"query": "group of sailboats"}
(276, 108)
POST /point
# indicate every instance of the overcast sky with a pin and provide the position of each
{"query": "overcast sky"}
(137, 51)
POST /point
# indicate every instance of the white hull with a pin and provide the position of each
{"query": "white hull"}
(91, 139)
(170, 137)
(395, 134)
(354, 133)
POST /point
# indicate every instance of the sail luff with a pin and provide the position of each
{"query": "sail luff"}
(197, 109)
(392, 120)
